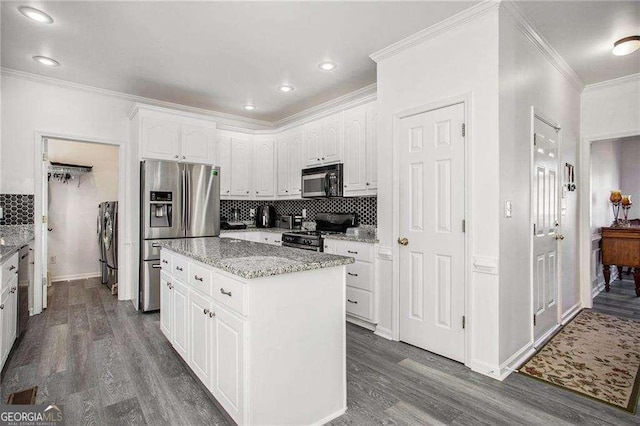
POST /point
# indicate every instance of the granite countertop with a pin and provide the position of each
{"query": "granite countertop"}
(13, 237)
(255, 229)
(249, 260)
(365, 238)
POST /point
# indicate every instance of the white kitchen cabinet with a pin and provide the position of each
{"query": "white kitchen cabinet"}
(201, 313)
(228, 363)
(166, 305)
(241, 166)
(252, 236)
(180, 317)
(272, 238)
(198, 144)
(360, 169)
(282, 163)
(264, 149)
(163, 134)
(296, 164)
(223, 160)
(323, 140)
(9, 313)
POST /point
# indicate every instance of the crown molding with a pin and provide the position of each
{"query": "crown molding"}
(350, 100)
(453, 22)
(529, 31)
(608, 84)
(230, 119)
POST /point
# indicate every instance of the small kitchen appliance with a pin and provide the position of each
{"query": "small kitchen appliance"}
(326, 223)
(322, 182)
(266, 217)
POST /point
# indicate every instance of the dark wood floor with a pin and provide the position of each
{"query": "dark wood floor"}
(108, 364)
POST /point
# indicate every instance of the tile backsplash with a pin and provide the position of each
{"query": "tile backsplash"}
(17, 209)
(365, 207)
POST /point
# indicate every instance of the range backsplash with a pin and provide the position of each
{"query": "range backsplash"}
(18, 209)
(365, 207)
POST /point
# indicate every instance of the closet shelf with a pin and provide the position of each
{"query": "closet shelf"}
(64, 172)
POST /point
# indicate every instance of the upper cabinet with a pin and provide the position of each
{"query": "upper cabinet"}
(289, 164)
(223, 160)
(323, 140)
(163, 135)
(241, 166)
(360, 151)
(264, 149)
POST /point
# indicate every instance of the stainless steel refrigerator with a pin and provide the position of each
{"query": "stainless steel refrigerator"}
(177, 200)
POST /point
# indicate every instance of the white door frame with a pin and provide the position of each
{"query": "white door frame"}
(535, 113)
(466, 99)
(584, 219)
(39, 181)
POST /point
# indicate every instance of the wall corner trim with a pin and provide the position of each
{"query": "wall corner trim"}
(436, 30)
(608, 84)
(529, 31)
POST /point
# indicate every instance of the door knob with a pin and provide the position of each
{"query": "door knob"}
(403, 241)
(559, 236)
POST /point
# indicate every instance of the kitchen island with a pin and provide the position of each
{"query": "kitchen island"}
(263, 327)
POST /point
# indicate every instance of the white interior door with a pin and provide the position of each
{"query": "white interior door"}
(544, 205)
(44, 223)
(432, 207)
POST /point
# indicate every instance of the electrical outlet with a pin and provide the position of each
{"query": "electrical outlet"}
(304, 213)
(252, 213)
(53, 260)
(508, 209)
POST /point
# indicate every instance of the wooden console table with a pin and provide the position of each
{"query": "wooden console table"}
(621, 247)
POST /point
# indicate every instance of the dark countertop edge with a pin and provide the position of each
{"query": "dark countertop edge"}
(9, 250)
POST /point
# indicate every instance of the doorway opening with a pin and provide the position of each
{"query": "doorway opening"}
(614, 167)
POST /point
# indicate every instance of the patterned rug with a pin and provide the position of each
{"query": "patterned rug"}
(596, 355)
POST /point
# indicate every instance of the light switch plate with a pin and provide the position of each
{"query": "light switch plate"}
(508, 209)
(304, 213)
(252, 212)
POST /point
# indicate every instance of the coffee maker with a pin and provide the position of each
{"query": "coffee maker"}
(266, 217)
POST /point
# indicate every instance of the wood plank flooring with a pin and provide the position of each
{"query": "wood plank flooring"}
(108, 364)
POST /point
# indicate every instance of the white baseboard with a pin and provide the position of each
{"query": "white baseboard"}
(515, 361)
(597, 289)
(361, 323)
(384, 332)
(76, 276)
(484, 368)
(331, 417)
(571, 312)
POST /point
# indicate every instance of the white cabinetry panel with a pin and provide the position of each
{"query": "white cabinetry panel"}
(180, 317)
(313, 143)
(241, 166)
(200, 325)
(332, 139)
(160, 139)
(355, 150)
(198, 144)
(264, 167)
(223, 160)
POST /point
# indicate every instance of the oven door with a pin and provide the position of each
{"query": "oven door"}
(314, 185)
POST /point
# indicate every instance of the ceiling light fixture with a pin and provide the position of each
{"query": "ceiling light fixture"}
(327, 66)
(285, 88)
(35, 15)
(249, 107)
(626, 45)
(46, 61)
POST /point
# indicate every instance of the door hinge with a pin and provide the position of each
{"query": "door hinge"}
(464, 130)
(534, 320)
(464, 225)
(464, 322)
(44, 281)
(45, 156)
(45, 219)
(535, 139)
(534, 229)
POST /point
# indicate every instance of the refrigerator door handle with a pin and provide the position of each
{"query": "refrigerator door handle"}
(187, 174)
(184, 199)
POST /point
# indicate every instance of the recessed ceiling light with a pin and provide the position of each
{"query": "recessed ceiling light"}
(46, 61)
(327, 66)
(35, 15)
(285, 88)
(626, 45)
(249, 107)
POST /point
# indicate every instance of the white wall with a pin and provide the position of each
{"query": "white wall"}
(606, 172)
(461, 61)
(630, 174)
(73, 209)
(528, 79)
(611, 108)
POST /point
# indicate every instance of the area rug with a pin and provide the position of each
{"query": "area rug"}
(24, 397)
(596, 355)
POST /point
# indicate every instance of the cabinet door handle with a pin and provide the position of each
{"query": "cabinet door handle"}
(179, 268)
(23, 256)
(355, 302)
(353, 275)
(177, 156)
(164, 261)
(183, 157)
(212, 314)
(367, 184)
(228, 293)
(247, 192)
(12, 267)
(206, 311)
(352, 252)
(2, 306)
(197, 278)
(169, 284)
(323, 158)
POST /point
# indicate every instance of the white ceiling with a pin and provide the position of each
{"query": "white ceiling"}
(583, 33)
(220, 56)
(217, 56)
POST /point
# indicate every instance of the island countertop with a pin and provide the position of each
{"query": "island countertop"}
(249, 259)
(13, 237)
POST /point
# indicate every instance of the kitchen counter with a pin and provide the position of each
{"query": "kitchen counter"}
(13, 237)
(256, 229)
(250, 260)
(360, 239)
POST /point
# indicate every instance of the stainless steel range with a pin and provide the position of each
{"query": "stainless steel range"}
(326, 223)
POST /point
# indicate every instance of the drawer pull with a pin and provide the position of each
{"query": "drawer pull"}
(2, 306)
(212, 314)
(155, 245)
(170, 287)
(12, 267)
(353, 275)
(352, 252)
(197, 278)
(206, 311)
(23, 256)
(228, 293)
(352, 301)
(169, 284)
(165, 261)
(179, 268)
(156, 266)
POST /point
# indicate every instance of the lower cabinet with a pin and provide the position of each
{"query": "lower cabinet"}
(201, 319)
(165, 305)
(8, 317)
(266, 237)
(180, 318)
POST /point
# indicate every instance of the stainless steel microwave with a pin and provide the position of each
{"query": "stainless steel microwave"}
(322, 182)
